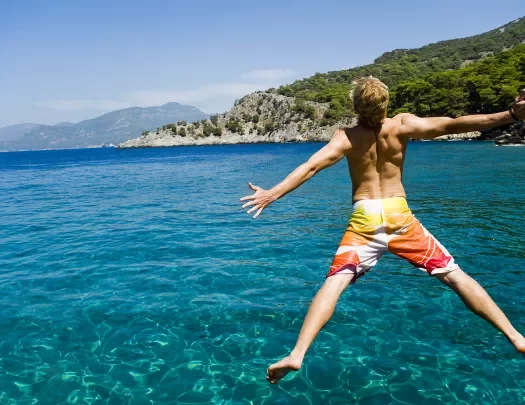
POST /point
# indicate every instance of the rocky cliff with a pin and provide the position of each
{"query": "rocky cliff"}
(256, 118)
(511, 136)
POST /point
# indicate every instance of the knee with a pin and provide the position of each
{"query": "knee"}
(337, 283)
(453, 279)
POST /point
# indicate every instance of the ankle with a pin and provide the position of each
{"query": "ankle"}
(297, 355)
(515, 337)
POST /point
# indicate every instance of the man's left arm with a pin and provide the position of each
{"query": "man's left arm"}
(427, 128)
(330, 154)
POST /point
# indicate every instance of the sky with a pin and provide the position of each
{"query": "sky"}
(74, 60)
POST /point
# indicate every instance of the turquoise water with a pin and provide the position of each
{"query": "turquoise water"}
(134, 277)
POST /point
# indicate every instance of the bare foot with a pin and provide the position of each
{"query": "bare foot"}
(278, 370)
(519, 344)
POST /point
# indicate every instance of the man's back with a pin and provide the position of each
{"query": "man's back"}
(375, 159)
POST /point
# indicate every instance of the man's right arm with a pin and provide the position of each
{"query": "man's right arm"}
(427, 128)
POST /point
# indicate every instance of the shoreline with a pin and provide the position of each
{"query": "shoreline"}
(244, 143)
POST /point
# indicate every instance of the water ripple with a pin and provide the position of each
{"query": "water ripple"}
(133, 277)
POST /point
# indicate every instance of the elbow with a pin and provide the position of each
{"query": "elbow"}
(312, 168)
(449, 126)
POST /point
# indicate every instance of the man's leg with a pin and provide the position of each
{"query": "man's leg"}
(478, 301)
(319, 314)
(411, 241)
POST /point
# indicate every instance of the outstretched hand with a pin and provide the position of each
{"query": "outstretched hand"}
(518, 107)
(259, 201)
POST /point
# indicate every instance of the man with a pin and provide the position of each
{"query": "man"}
(381, 220)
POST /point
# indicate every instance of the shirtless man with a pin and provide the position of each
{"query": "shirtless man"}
(381, 220)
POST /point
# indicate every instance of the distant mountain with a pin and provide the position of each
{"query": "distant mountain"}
(15, 132)
(110, 128)
(64, 124)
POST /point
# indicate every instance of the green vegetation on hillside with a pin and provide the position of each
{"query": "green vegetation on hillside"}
(483, 87)
(430, 64)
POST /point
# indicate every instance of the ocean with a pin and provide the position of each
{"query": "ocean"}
(134, 277)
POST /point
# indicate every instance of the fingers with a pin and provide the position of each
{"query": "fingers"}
(252, 201)
(248, 204)
(269, 377)
(257, 208)
(253, 209)
(521, 97)
(254, 188)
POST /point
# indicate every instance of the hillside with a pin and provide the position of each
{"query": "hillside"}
(15, 132)
(110, 128)
(257, 118)
(486, 86)
(471, 75)
(402, 66)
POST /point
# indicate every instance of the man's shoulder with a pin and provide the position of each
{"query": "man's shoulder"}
(343, 132)
(401, 116)
(395, 124)
(343, 138)
(348, 131)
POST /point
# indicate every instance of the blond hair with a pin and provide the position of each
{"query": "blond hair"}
(370, 97)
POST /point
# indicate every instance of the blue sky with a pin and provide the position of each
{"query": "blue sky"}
(72, 60)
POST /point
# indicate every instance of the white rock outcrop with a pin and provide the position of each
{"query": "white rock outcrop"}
(256, 118)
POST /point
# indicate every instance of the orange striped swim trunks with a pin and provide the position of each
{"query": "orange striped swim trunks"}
(388, 225)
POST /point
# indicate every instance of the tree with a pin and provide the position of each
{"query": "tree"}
(214, 119)
(174, 130)
(485, 87)
(310, 112)
(145, 132)
(401, 67)
(217, 131)
(269, 126)
(234, 126)
(255, 119)
(182, 131)
(207, 130)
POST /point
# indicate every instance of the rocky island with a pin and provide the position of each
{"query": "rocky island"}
(260, 117)
(257, 118)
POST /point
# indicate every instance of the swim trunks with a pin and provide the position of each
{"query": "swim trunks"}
(388, 225)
